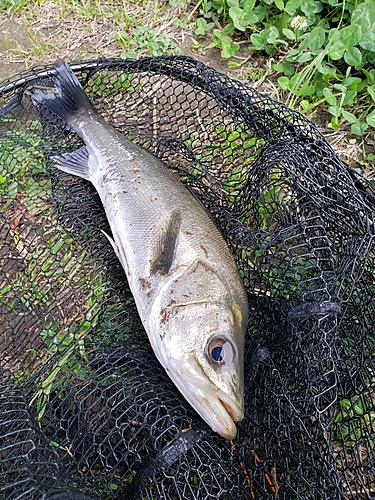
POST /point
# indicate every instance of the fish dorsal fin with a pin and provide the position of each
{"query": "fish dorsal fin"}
(166, 245)
(76, 163)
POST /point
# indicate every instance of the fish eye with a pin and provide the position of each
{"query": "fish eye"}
(220, 351)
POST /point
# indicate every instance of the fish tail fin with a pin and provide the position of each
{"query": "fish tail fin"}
(66, 99)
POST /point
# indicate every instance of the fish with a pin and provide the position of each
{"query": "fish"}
(183, 277)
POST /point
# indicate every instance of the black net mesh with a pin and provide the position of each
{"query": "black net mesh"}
(86, 411)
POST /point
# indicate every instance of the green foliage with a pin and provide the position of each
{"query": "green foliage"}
(352, 417)
(12, 5)
(50, 269)
(325, 49)
(145, 41)
(22, 171)
(51, 263)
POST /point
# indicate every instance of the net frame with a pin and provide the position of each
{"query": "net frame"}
(300, 224)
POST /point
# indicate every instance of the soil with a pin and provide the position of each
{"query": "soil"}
(26, 41)
(39, 35)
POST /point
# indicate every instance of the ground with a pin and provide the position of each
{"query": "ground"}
(40, 32)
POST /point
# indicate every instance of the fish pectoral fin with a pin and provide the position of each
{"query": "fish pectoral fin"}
(166, 245)
(119, 252)
(76, 163)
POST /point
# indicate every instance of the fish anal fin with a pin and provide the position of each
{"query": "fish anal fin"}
(166, 245)
(75, 163)
(119, 252)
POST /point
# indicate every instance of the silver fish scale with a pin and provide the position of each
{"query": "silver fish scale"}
(301, 223)
(139, 193)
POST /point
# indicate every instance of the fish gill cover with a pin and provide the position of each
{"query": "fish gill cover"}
(86, 411)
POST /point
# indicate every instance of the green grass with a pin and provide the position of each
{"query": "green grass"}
(13, 6)
(51, 270)
(318, 50)
(321, 48)
(313, 68)
(22, 170)
(52, 263)
(78, 29)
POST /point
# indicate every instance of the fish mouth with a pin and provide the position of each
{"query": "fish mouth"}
(221, 413)
(217, 408)
(235, 413)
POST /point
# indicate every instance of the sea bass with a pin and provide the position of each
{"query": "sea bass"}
(182, 275)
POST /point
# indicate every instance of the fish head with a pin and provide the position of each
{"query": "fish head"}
(201, 346)
(211, 373)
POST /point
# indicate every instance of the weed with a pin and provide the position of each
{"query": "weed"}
(90, 9)
(22, 169)
(331, 41)
(52, 263)
(12, 6)
(49, 270)
(145, 41)
(352, 417)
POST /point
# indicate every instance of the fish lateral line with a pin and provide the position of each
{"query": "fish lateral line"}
(192, 303)
(169, 264)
